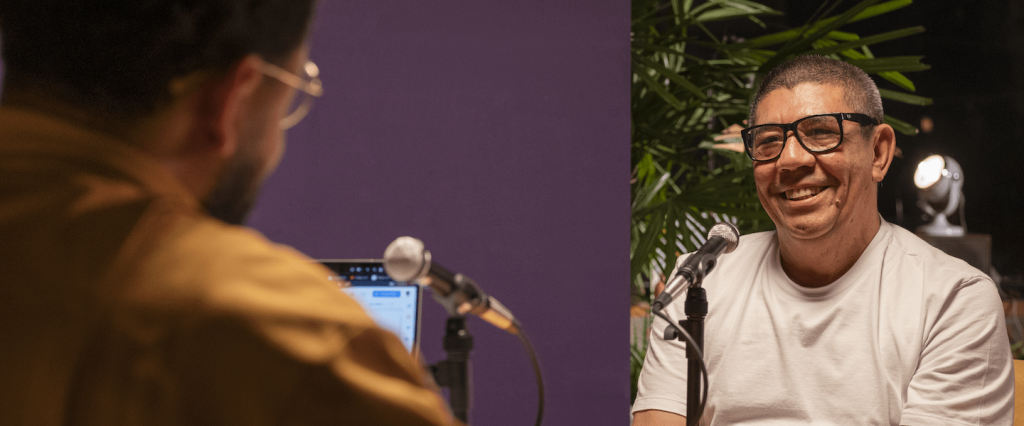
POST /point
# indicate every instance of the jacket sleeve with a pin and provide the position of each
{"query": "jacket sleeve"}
(259, 335)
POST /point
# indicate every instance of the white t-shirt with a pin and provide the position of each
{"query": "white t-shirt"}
(909, 335)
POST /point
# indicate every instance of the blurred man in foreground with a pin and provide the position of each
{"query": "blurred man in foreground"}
(837, 317)
(134, 136)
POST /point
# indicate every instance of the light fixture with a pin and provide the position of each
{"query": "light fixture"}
(940, 181)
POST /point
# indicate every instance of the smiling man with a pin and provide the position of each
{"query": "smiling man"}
(837, 317)
(134, 136)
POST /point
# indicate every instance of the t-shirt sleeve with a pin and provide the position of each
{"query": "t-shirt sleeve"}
(965, 373)
(662, 383)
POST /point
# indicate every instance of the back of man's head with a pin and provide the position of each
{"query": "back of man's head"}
(117, 58)
(860, 91)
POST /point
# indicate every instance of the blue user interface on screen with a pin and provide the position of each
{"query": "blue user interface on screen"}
(392, 304)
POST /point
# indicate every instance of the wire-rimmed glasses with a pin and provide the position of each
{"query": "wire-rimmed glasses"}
(308, 84)
(816, 133)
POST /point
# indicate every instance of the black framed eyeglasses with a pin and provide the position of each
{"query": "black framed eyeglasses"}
(816, 133)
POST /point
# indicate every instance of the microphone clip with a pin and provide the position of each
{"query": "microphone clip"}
(687, 276)
(696, 275)
(463, 296)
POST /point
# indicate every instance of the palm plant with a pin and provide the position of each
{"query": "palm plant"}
(689, 85)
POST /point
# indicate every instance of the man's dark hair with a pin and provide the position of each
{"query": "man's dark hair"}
(860, 92)
(116, 58)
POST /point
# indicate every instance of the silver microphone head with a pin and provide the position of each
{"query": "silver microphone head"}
(728, 232)
(406, 259)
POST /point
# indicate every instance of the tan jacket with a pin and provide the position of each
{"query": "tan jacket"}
(121, 303)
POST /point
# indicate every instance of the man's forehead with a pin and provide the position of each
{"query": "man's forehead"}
(787, 104)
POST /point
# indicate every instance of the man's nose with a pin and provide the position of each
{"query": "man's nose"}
(793, 155)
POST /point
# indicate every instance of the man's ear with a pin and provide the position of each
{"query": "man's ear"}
(883, 149)
(226, 101)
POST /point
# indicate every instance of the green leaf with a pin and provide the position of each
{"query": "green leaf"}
(843, 36)
(784, 36)
(878, 38)
(880, 9)
(866, 52)
(647, 47)
(758, 22)
(647, 193)
(659, 89)
(672, 76)
(894, 63)
(898, 79)
(904, 97)
(681, 138)
(641, 255)
(817, 32)
(901, 126)
(738, 9)
(768, 40)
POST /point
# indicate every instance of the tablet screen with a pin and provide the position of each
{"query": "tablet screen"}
(394, 305)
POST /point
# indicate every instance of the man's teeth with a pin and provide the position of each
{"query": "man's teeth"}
(802, 193)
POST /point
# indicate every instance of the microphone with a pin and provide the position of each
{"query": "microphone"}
(722, 238)
(406, 259)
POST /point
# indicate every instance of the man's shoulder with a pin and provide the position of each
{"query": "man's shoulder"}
(757, 242)
(203, 271)
(911, 251)
(223, 268)
(751, 248)
(913, 265)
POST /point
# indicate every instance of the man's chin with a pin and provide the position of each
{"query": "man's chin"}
(232, 211)
(234, 194)
(806, 227)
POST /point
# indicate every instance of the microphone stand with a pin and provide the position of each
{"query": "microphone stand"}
(696, 309)
(454, 372)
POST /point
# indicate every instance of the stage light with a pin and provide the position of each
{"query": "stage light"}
(939, 180)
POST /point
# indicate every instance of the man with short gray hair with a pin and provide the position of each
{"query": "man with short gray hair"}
(836, 317)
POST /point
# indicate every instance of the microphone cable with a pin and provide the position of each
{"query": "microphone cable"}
(700, 353)
(536, 371)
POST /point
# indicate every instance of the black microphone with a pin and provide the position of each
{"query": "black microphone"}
(722, 238)
(407, 260)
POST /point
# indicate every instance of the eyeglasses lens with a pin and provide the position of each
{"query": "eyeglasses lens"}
(817, 133)
(297, 109)
(302, 101)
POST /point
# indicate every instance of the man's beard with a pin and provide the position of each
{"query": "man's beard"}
(236, 190)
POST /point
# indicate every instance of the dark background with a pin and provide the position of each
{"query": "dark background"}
(498, 133)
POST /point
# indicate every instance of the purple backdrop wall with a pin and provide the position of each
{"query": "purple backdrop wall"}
(496, 132)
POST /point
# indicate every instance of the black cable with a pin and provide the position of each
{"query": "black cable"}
(700, 354)
(536, 370)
